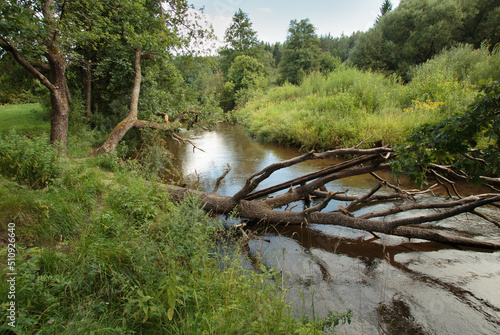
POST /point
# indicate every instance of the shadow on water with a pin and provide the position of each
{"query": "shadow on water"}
(392, 285)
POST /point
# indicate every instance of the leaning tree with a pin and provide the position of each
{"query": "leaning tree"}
(150, 30)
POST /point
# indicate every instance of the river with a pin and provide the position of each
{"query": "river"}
(392, 285)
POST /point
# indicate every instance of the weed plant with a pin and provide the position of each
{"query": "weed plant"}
(104, 251)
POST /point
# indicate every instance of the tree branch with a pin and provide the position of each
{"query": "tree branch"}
(218, 181)
(4, 44)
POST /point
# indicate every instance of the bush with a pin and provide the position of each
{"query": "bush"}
(30, 161)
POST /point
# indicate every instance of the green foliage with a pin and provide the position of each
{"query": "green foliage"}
(240, 34)
(347, 106)
(240, 40)
(469, 141)
(301, 54)
(340, 109)
(419, 29)
(384, 9)
(32, 162)
(17, 86)
(245, 74)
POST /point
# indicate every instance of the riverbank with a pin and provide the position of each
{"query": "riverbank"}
(98, 250)
(348, 105)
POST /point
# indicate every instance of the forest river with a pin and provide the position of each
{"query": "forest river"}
(392, 285)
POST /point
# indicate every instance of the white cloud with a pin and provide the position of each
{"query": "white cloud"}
(266, 9)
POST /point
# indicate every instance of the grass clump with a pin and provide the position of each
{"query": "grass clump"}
(32, 162)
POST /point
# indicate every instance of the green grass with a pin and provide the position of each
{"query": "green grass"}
(102, 252)
(26, 118)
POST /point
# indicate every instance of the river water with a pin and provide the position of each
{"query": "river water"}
(392, 285)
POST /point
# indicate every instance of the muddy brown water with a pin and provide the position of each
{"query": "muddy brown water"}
(392, 285)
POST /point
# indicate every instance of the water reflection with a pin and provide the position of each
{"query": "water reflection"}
(392, 284)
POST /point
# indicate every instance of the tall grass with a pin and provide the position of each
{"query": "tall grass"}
(348, 105)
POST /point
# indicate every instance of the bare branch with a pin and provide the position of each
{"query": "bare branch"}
(470, 207)
(416, 206)
(363, 141)
(365, 197)
(4, 44)
(311, 176)
(184, 140)
(218, 181)
(486, 217)
(321, 206)
(303, 191)
(253, 181)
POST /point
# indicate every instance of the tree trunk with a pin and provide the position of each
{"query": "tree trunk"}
(116, 135)
(59, 100)
(131, 121)
(88, 90)
(264, 214)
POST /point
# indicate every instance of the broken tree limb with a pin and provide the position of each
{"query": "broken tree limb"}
(253, 181)
(311, 176)
(417, 206)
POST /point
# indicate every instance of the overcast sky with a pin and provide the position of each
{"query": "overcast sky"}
(271, 18)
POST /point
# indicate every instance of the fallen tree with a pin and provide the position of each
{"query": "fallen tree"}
(263, 208)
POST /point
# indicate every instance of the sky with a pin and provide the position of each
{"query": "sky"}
(271, 18)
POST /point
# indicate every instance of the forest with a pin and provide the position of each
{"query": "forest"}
(100, 234)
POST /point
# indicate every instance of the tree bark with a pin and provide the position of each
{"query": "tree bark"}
(131, 121)
(59, 100)
(261, 212)
(88, 90)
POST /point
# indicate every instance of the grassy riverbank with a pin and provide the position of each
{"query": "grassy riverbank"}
(100, 250)
(348, 105)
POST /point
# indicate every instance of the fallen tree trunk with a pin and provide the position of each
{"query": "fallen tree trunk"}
(368, 161)
(261, 212)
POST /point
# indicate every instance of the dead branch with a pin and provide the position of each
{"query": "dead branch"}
(311, 176)
(448, 170)
(301, 191)
(420, 206)
(486, 217)
(365, 197)
(368, 161)
(319, 207)
(218, 181)
(185, 140)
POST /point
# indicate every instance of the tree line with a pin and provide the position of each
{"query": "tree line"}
(86, 54)
(409, 35)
